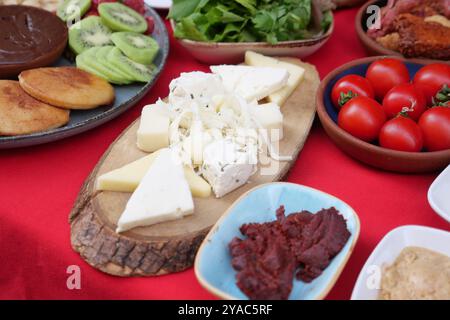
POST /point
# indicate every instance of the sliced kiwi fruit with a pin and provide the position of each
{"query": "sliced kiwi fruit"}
(136, 46)
(119, 17)
(140, 72)
(81, 64)
(87, 33)
(89, 60)
(101, 56)
(70, 10)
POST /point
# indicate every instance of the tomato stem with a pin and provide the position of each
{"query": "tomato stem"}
(346, 97)
(442, 97)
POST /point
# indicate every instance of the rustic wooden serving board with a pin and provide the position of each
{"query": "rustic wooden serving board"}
(171, 246)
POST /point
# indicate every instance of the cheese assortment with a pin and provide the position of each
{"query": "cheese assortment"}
(208, 134)
(162, 195)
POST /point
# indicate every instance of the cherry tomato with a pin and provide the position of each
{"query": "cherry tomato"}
(405, 97)
(349, 87)
(384, 74)
(432, 78)
(401, 133)
(362, 117)
(435, 125)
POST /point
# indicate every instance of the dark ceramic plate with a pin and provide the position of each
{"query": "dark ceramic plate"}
(83, 120)
(386, 159)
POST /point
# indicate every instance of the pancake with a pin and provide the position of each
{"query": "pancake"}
(67, 87)
(21, 114)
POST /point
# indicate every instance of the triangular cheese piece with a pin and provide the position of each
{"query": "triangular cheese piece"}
(162, 195)
(128, 177)
(251, 82)
(296, 74)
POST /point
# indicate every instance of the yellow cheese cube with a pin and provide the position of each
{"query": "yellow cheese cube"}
(270, 118)
(153, 132)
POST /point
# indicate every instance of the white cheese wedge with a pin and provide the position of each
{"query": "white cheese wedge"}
(197, 86)
(296, 74)
(153, 131)
(251, 82)
(226, 166)
(128, 177)
(162, 195)
(270, 118)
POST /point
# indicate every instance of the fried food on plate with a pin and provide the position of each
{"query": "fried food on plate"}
(438, 19)
(415, 28)
(390, 41)
(21, 114)
(67, 87)
(419, 38)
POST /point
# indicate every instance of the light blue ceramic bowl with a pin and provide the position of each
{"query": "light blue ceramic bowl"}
(213, 262)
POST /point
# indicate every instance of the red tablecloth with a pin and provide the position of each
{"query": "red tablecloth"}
(38, 186)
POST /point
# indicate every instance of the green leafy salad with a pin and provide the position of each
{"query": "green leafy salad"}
(269, 21)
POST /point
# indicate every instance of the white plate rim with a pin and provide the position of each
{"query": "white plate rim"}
(431, 201)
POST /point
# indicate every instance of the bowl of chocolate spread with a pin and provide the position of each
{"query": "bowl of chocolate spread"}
(29, 38)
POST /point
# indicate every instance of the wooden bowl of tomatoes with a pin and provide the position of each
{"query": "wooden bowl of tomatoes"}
(389, 112)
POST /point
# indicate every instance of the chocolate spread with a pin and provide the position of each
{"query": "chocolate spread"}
(29, 38)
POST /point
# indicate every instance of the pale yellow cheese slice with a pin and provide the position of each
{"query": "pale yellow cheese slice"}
(153, 131)
(128, 177)
(296, 74)
(270, 118)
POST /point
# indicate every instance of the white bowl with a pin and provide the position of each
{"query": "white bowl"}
(368, 283)
(439, 194)
(234, 52)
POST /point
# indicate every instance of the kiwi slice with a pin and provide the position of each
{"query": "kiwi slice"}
(136, 46)
(81, 64)
(101, 56)
(69, 10)
(87, 33)
(140, 72)
(89, 60)
(119, 17)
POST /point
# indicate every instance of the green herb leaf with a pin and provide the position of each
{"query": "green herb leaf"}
(182, 8)
(245, 20)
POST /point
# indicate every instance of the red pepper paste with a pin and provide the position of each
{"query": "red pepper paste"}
(301, 244)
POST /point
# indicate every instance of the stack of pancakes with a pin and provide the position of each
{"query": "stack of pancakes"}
(43, 97)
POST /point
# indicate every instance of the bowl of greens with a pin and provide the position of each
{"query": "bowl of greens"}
(217, 31)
